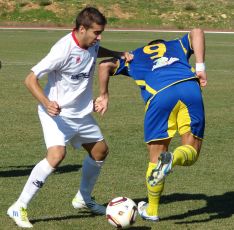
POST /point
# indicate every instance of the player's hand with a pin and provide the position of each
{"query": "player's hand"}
(202, 78)
(101, 104)
(127, 56)
(53, 108)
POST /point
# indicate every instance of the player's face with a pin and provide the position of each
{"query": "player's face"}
(91, 35)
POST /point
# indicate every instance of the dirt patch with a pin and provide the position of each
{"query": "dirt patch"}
(117, 12)
(8, 6)
(55, 8)
(30, 6)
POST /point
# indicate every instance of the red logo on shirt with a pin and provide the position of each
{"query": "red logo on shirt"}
(78, 60)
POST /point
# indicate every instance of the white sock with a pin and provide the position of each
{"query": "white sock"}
(90, 172)
(35, 181)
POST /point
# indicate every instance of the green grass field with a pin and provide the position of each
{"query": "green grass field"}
(199, 197)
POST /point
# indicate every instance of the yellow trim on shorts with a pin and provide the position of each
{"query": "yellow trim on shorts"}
(197, 137)
(183, 119)
(118, 64)
(158, 139)
(179, 119)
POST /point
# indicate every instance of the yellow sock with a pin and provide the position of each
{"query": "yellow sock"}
(184, 155)
(154, 193)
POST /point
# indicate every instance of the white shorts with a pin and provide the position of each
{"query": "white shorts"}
(60, 130)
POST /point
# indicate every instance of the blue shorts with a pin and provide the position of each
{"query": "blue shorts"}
(176, 108)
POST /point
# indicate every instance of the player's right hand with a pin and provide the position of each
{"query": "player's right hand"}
(202, 78)
(127, 56)
(53, 108)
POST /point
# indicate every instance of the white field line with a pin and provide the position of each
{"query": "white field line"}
(112, 30)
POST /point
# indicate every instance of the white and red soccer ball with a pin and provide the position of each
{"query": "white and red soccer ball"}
(121, 212)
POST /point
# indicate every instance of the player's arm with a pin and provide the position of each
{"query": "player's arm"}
(197, 38)
(32, 83)
(103, 52)
(105, 70)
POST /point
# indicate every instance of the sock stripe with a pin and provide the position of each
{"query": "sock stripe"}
(155, 194)
(185, 155)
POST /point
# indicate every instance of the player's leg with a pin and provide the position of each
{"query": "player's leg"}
(159, 127)
(188, 117)
(40, 173)
(56, 151)
(188, 153)
(97, 151)
(184, 155)
(91, 169)
(150, 211)
(158, 133)
(55, 154)
(18, 211)
(163, 163)
(191, 125)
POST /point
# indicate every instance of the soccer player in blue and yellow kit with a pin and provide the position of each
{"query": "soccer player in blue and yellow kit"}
(170, 88)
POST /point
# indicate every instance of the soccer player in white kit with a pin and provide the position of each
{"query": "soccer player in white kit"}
(65, 107)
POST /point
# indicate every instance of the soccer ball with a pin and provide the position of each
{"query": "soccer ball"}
(121, 212)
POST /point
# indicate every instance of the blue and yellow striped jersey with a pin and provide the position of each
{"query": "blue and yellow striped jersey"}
(158, 66)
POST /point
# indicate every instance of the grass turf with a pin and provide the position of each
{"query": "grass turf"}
(198, 197)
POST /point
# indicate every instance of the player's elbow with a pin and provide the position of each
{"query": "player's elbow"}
(29, 80)
(197, 32)
(106, 66)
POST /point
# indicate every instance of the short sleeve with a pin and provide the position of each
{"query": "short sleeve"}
(186, 44)
(122, 68)
(49, 63)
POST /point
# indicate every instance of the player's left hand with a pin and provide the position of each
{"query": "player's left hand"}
(101, 104)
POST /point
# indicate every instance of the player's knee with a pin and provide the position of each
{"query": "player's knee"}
(55, 155)
(105, 151)
(101, 154)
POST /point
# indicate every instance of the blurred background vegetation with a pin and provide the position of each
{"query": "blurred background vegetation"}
(147, 14)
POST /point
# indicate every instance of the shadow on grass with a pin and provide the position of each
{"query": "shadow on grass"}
(45, 219)
(217, 206)
(83, 215)
(17, 171)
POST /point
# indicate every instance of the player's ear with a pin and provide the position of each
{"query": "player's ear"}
(82, 29)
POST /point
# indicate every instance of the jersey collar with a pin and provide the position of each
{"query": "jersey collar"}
(75, 39)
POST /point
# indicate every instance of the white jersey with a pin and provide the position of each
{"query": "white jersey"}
(70, 72)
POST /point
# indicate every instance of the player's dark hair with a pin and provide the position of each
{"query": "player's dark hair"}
(156, 41)
(88, 16)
